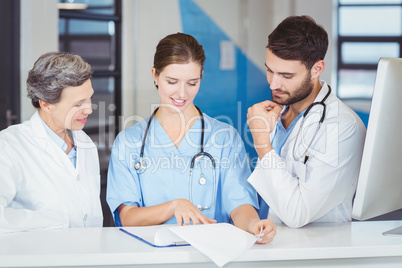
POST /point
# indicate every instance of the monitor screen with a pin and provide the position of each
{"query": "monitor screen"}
(379, 189)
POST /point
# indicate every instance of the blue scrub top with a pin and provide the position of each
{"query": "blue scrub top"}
(167, 176)
(282, 134)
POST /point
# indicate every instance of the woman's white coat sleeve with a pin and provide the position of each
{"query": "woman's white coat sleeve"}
(14, 219)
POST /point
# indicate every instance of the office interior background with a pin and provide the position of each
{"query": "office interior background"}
(118, 38)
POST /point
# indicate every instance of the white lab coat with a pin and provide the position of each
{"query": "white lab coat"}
(40, 187)
(322, 189)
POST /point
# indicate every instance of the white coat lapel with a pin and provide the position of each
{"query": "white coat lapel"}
(82, 142)
(46, 142)
(41, 136)
(310, 120)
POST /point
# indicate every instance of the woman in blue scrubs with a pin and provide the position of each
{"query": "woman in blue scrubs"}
(153, 176)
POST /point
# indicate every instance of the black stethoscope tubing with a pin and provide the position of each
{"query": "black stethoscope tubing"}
(141, 164)
(322, 102)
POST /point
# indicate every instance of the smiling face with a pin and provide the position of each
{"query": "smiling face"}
(178, 84)
(289, 80)
(72, 110)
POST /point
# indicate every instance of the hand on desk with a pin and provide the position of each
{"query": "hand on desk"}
(185, 212)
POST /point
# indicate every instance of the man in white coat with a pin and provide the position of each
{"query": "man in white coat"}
(308, 142)
(49, 167)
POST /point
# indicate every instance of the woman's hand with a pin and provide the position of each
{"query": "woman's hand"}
(185, 212)
(268, 230)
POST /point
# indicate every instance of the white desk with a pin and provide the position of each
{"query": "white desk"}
(317, 245)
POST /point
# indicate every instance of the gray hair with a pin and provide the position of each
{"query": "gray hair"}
(53, 72)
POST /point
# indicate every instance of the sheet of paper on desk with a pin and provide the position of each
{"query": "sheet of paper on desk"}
(164, 236)
(222, 242)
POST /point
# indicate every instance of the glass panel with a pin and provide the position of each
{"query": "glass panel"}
(105, 7)
(62, 26)
(61, 46)
(103, 85)
(370, 21)
(356, 83)
(96, 51)
(90, 39)
(382, 2)
(90, 27)
(368, 53)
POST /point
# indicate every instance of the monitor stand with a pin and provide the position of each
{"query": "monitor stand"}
(394, 232)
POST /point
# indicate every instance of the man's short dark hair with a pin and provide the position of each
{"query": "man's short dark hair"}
(299, 38)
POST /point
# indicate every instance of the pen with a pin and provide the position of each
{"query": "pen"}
(259, 235)
(306, 157)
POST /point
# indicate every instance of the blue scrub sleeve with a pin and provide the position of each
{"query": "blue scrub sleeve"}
(122, 180)
(236, 191)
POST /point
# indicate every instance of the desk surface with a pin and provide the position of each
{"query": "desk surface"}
(111, 247)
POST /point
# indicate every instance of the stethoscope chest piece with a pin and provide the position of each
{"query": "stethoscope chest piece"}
(140, 166)
(202, 180)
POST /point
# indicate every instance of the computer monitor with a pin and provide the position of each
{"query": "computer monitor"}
(379, 189)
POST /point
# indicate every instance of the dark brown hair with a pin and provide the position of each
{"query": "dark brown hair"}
(178, 48)
(299, 38)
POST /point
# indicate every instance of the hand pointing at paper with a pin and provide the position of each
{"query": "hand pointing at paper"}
(245, 217)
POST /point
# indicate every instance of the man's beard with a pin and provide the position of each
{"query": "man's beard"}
(300, 94)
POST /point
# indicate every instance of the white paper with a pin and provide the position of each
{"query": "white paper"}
(222, 242)
(164, 237)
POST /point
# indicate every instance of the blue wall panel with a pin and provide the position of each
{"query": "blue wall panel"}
(224, 94)
(227, 94)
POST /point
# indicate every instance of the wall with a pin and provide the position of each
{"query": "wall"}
(240, 26)
(323, 13)
(233, 33)
(246, 23)
(39, 34)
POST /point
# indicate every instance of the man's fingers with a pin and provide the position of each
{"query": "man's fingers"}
(268, 104)
(277, 109)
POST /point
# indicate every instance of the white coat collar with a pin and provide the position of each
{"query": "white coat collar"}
(45, 142)
(323, 91)
(320, 96)
(37, 126)
(80, 138)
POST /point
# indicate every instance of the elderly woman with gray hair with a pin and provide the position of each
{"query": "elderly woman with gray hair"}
(49, 167)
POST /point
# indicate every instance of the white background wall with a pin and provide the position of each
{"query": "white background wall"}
(247, 22)
(39, 34)
(145, 22)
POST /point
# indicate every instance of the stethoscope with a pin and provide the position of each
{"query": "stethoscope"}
(140, 166)
(322, 103)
